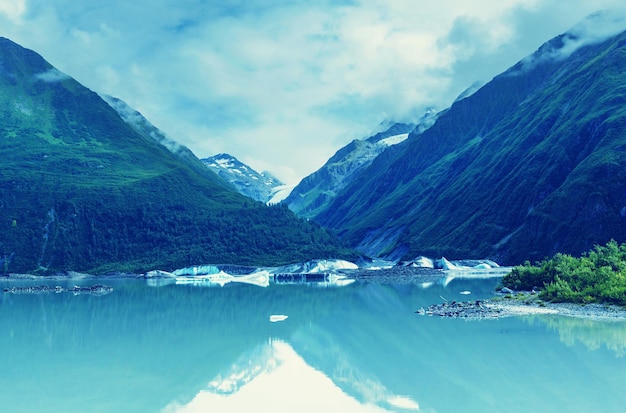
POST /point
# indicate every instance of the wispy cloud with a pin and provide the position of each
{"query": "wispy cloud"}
(52, 76)
(283, 84)
(596, 28)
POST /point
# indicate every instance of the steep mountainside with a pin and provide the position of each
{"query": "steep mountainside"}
(145, 128)
(532, 163)
(81, 189)
(316, 191)
(259, 186)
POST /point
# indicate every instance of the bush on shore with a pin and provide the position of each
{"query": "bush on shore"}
(598, 276)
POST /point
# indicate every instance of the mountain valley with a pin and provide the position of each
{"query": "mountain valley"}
(524, 166)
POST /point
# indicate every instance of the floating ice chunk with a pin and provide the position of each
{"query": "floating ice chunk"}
(159, 274)
(465, 292)
(198, 270)
(446, 265)
(274, 318)
(260, 278)
(332, 265)
(423, 262)
(316, 267)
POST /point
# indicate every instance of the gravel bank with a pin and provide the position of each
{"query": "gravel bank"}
(521, 304)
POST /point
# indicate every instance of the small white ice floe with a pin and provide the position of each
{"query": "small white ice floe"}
(465, 292)
(274, 318)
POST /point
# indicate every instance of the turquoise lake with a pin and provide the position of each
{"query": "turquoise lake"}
(356, 348)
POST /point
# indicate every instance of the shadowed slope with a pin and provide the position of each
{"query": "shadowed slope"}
(531, 164)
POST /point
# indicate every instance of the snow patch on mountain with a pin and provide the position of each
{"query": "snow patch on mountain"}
(262, 186)
(281, 193)
(394, 140)
(316, 191)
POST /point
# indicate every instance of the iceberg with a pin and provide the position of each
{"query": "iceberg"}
(423, 262)
(323, 273)
(198, 270)
(444, 264)
(260, 278)
(159, 274)
(158, 278)
(313, 279)
(316, 267)
(333, 265)
(472, 268)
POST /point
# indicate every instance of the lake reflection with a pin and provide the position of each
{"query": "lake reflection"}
(593, 334)
(358, 348)
(277, 379)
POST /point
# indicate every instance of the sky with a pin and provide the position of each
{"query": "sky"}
(282, 85)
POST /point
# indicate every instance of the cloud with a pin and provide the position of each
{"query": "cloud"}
(280, 84)
(52, 76)
(595, 28)
(13, 9)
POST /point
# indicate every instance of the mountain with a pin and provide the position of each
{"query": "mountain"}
(532, 163)
(82, 189)
(259, 186)
(317, 191)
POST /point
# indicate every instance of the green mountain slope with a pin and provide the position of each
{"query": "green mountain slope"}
(531, 164)
(81, 189)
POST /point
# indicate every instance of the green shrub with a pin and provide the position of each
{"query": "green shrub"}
(598, 276)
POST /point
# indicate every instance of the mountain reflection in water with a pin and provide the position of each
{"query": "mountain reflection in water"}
(275, 377)
(179, 348)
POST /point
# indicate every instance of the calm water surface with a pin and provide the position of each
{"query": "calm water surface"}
(358, 348)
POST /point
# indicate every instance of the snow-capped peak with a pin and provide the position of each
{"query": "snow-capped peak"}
(260, 186)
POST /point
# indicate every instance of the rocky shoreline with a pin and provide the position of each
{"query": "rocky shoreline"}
(97, 289)
(522, 303)
(68, 275)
